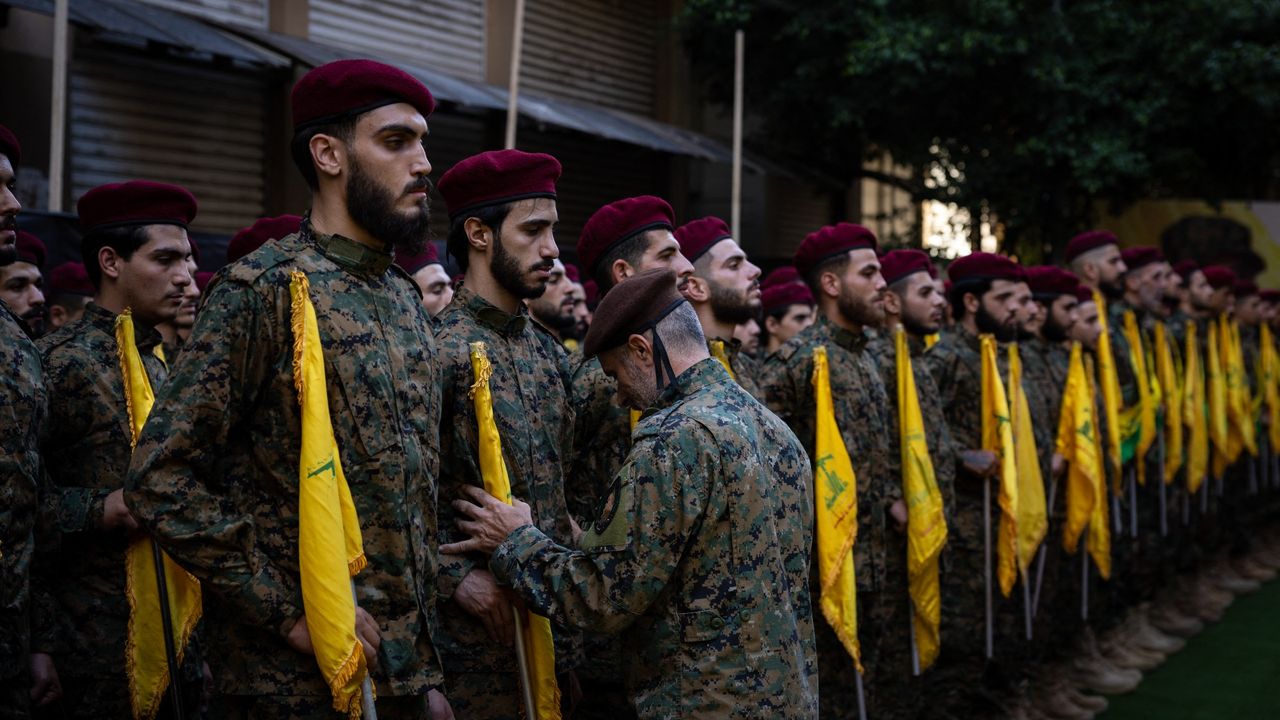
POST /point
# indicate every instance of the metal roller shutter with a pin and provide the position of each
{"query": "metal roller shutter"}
(601, 52)
(139, 117)
(249, 13)
(444, 34)
(453, 137)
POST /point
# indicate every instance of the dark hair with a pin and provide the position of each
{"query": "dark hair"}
(491, 216)
(837, 265)
(630, 250)
(959, 290)
(343, 129)
(124, 239)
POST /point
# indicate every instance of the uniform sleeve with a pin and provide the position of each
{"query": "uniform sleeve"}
(77, 508)
(775, 386)
(455, 465)
(628, 557)
(173, 485)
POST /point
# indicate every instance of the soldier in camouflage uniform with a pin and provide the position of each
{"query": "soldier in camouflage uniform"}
(699, 558)
(138, 257)
(619, 240)
(27, 674)
(983, 299)
(553, 310)
(215, 474)
(839, 263)
(502, 211)
(725, 291)
(914, 304)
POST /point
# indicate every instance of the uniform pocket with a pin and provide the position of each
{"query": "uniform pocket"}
(701, 625)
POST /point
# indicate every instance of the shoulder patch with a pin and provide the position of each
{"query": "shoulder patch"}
(611, 529)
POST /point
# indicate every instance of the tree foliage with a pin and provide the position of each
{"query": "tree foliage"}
(1034, 110)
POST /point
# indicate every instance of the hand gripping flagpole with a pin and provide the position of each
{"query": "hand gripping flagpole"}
(367, 709)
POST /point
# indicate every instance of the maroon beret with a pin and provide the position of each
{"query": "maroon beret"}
(10, 146)
(1218, 276)
(1269, 296)
(831, 241)
(1086, 241)
(619, 221)
(898, 264)
(781, 296)
(259, 233)
(346, 88)
(697, 236)
(781, 276)
(1186, 269)
(1140, 256)
(1049, 281)
(571, 272)
(202, 279)
(497, 177)
(1084, 293)
(413, 263)
(630, 308)
(1244, 288)
(979, 266)
(70, 278)
(30, 249)
(137, 202)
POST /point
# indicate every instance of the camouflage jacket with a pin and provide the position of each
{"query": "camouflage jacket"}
(602, 439)
(25, 612)
(1044, 399)
(1120, 351)
(87, 446)
(700, 558)
(215, 474)
(862, 412)
(746, 369)
(530, 387)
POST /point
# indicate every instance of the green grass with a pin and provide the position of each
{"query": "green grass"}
(1231, 670)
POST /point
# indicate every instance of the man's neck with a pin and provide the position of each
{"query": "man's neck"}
(554, 333)
(1133, 300)
(837, 318)
(332, 218)
(108, 299)
(970, 325)
(482, 282)
(712, 327)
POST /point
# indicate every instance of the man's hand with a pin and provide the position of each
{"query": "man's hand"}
(116, 515)
(979, 463)
(45, 685)
(437, 706)
(898, 511)
(491, 521)
(299, 637)
(480, 596)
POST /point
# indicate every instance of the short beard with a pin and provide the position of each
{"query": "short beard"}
(510, 275)
(858, 311)
(1052, 331)
(9, 252)
(916, 328)
(1171, 303)
(1113, 290)
(987, 323)
(555, 319)
(730, 306)
(373, 209)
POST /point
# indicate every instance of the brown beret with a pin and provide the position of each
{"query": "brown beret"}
(1086, 241)
(897, 264)
(697, 236)
(137, 202)
(632, 307)
(1140, 256)
(831, 241)
(346, 88)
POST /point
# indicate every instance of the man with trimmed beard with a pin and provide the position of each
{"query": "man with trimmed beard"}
(725, 291)
(502, 217)
(22, 284)
(138, 256)
(913, 304)
(214, 477)
(619, 240)
(429, 275)
(553, 310)
(1095, 258)
(840, 265)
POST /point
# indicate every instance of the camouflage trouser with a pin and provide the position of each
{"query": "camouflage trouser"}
(604, 700)
(305, 707)
(496, 696)
(109, 697)
(15, 698)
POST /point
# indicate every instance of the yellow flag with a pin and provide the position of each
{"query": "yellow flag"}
(1219, 427)
(1144, 424)
(1240, 402)
(1098, 541)
(930, 340)
(1110, 383)
(1077, 443)
(1033, 519)
(836, 497)
(1171, 387)
(717, 352)
(997, 436)
(145, 660)
(330, 547)
(1194, 414)
(926, 520)
(538, 643)
(1269, 382)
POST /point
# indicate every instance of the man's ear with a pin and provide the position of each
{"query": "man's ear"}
(621, 270)
(697, 289)
(640, 348)
(892, 303)
(971, 304)
(771, 324)
(478, 234)
(109, 262)
(829, 284)
(328, 154)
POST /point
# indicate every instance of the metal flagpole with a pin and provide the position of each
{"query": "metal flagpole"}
(986, 534)
(862, 699)
(1116, 522)
(735, 196)
(526, 687)
(1164, 509)
(1084, 583)
(1253, 476)
(1040, 560)
(1133, 503)
(58, 109)
(368, 710)
(1204, 495)
(513, 83)
(1026, 603)
(166, 620)
(915, 652)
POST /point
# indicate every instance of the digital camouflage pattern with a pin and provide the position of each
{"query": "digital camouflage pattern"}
(863, 415)
(215, 475)
(699, 558)
(530, 386)
(746, 369)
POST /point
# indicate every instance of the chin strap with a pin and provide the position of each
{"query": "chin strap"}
(663, 372)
